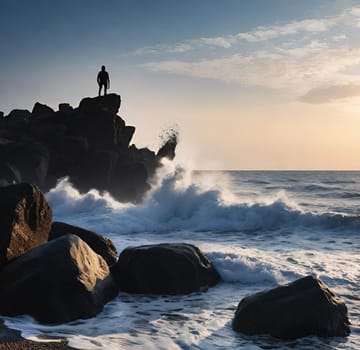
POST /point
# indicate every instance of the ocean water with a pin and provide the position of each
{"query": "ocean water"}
(260, 229)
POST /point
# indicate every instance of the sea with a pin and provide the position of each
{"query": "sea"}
(259, 228)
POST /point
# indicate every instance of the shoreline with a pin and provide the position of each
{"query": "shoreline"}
(11, 339)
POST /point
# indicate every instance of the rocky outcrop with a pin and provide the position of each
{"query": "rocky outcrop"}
(25, 220)
(99, 244)
(167, 268)
(90, 144)
(57, 282)
(302, 308)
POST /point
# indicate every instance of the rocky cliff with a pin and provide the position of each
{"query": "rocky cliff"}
(91, 144)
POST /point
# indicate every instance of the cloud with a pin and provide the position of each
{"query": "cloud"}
(313, 26)
(299, 69)
(327, 94)
(295, 27)
(224, 42)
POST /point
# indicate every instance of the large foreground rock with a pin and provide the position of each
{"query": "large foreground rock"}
(304, 307)
(25, 220)
(99, 244)
(58, 282)
(167, 268)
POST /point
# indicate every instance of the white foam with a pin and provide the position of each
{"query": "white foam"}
(178, 203)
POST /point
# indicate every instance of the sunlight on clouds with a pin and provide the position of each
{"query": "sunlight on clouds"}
(266, 33)
(298, 69)
(301, 64)
(313, 26)
(219, 41)
(327, 94)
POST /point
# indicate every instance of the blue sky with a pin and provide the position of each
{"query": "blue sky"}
(247, 82)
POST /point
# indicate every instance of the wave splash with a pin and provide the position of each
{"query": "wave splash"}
(179, 203)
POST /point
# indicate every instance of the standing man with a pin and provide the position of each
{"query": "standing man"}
(103, 80)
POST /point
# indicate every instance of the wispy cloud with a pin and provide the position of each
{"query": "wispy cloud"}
(326, 94)
(299, 68)
(314, 26)
(314, 66)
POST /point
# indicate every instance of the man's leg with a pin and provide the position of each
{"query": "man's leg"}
(100, 89)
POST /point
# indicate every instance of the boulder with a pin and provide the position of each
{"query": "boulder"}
(65, 108)
(41, 111)
(99, 129)
(110, 103)
(302, 308)
(99, 244)
(25, 220)
(57, 282)
(18, 119)
(123, 136)
(167, 150)
(169, 268)
(19, 114)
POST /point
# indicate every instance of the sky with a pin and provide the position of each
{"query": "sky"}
(250, 84)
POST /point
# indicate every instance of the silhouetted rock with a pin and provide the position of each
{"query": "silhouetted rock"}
(65, 108)
(167, 268)
(99, 244)
(19, 114)
(89, 144)
(41, 111)
(110, 103)
(18, 119)
(123, 136)
(57, 282)
(170, 140)
(25, 220)
(302, 308)
(129, 181)
(29, 157)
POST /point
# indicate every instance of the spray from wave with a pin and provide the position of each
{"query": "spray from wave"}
(177, 202)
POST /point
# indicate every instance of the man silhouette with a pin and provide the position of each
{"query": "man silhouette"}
(103, 80)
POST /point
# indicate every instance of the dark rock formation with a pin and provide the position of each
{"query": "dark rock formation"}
(41, 111)
(25, 220)
(167, 268)
(30, 158)
(99, 244)
(170, 140)
(302, 308)
(89, 144)
(9, 175)
(57, 282)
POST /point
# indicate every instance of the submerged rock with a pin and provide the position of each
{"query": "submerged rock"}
(99, 244)
(57, 282)
(25, 220)
(302, 308)
(169, 268)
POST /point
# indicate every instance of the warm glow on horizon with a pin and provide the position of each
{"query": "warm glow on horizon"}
(248, 89)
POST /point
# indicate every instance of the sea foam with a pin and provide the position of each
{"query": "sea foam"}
(176, 203)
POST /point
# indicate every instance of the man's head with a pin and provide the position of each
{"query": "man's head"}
(102, 68)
